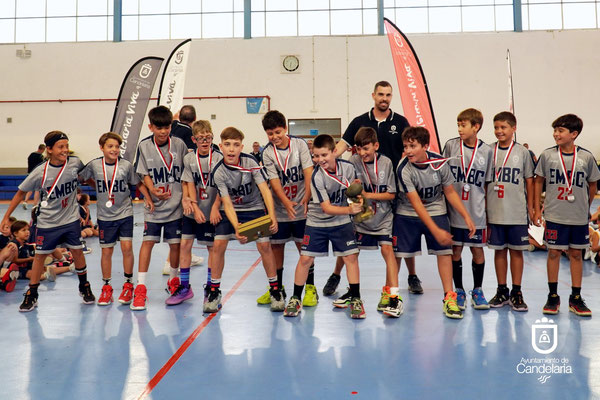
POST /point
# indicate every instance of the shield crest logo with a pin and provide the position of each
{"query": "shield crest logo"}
(544, 336)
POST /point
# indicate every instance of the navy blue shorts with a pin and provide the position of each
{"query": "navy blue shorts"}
(514, 237)
(406, 236)
(367, 241)
(203, 233)
(460, 237)
(563, 237)
(316, 240)
(171, 232)
(288, 231)
(224, 230)
(111, 231)
(48, 239)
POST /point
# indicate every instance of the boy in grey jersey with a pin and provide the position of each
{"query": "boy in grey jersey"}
(328, 220)
(200, 207)
(376, 174)
(424, 179)
(571, 176)
(289, 166)
(58, 219)
(112, 177)
(470, 161)
(160, 164)
(509, 203)
(241, 182)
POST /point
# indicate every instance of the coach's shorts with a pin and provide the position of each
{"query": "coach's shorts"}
(111, 231)
(288, 231)
(171, 231)
(316, 240)
(461, 237)
(368, 241)
(48, 239)
(224, 230)
(514, 237)
(203, 233)
(561, 237)
(406, 236)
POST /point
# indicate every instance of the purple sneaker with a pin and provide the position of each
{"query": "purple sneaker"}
(180, 295)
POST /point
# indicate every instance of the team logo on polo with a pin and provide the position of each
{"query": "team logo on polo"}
(393, 129)
(544, 336)
(145, 71)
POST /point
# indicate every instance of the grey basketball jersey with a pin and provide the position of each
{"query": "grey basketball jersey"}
(239, 182)
(557, 207)
(506, 195)
(62, 207)
(480, 173)
(330, 187)
(206, 190)
(427, 181)
(293, 179)
(381, 182)
(151, 161)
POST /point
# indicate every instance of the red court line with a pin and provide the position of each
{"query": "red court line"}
(188, 342)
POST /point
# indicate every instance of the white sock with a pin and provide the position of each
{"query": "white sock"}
(173, 272)
(142, 278)
(394, 291)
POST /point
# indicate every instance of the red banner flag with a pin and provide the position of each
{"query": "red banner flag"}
(414, 94)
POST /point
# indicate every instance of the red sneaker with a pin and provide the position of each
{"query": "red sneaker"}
(172, 285)
(139, 298)
(126, 293)
(9, 280)
(106, 297)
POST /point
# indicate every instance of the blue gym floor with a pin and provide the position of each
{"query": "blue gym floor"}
(67, 350)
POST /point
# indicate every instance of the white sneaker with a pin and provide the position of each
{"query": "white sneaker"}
(588, 254)
(50, 274)
(167, 268)
(196, 260)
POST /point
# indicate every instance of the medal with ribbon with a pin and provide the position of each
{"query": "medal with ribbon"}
(44, 203)
(467, 171)
(168, 166)
(499, 170)
(344, 183)
(203, 194)
(570, 195)
(287, 158)
(375, 169)
(109, 202)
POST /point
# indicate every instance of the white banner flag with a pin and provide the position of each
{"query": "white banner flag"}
(172, 83)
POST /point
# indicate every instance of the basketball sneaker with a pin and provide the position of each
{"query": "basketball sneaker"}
(332, 283)
(213, 302)
(139, 298)
(106, 297)
(357, 311)
(343, 301)
(478, 299)
(172, 285)
(126, 293)
(499, 299)
(85, 291)
(395, 307)
(9, 279)
(180, 295)
(385, 299)
(450, 308)
(414, 285)
(552, 304)
(311, 298)
(578, 306)
(516, 302)
(293, 308)
(461, 297)
(29, 302)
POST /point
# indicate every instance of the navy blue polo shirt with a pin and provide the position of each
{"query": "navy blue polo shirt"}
(183, 132)
(389, 133)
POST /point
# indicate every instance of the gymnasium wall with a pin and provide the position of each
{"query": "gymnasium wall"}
(553, 73)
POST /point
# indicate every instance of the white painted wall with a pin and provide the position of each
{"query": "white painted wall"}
(554, 73)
